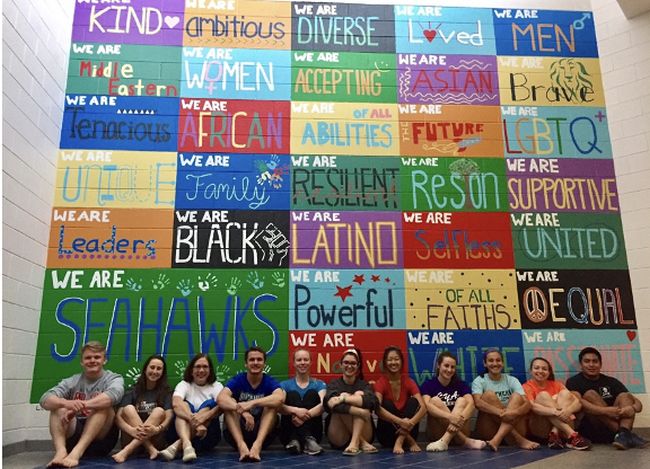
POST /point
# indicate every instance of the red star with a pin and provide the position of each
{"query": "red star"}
(359, 279)
(375, 278)
(343, 292)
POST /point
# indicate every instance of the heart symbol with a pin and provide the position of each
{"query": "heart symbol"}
(172, 21)
(631, 335)
(430, 34)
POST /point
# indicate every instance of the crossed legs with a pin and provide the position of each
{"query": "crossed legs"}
(63, 426)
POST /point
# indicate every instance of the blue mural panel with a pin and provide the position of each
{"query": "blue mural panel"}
(444, 30)
(545, 33)
(619, 349)
(236, 73)
(120, 123)
(468, 346)
(228, 181)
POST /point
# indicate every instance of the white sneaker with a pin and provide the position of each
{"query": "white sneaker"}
(437, 446)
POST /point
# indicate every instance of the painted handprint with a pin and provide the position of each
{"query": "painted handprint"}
(161, 282)
(222, 370)
(255, 280)
(235, 284)
(185, 287)
(210, 281)
(132, 285)
(132, 375)
(179, 367)
(278, 279)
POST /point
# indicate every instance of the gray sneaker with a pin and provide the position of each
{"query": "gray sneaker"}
(312, 447)
(637, 441)
(623, 440)
(293, 447)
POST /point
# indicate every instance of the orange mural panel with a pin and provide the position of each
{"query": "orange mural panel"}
(446, 130)
(127, 238)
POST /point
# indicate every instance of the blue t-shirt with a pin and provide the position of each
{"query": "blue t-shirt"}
(242, 391)
(504, 388)
(291, 385)
(447, 394)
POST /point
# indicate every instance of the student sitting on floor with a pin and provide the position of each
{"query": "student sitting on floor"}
(608, 407)
(350, 401)
(400, 405)
(195, 407)
(301, 425)
(554, 408)
(502, 405)
(81, 409)
(145, 412)
(450, 406)
(250, 402)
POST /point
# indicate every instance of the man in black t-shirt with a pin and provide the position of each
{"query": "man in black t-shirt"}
(608, 407)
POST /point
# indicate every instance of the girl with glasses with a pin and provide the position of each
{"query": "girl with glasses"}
(195, 406)
(350, 401)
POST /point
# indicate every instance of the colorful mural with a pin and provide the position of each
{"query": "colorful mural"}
(324, 175)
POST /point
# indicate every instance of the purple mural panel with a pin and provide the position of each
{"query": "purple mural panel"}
(150, 22)
(346, 239)
(447, 79)
(558, 185)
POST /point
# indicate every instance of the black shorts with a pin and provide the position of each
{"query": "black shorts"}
(97, 448)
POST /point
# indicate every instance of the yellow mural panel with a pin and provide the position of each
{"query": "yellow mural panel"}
(115, 179)
(550, 81)
(239, 24)
(344, 128)
(461, 299)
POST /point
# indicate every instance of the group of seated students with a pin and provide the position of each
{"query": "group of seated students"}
(83, 419)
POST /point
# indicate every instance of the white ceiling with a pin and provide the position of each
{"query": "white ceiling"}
(632, 8)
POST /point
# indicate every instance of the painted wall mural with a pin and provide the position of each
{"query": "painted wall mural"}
(323, 175)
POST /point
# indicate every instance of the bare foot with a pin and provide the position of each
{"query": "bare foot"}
(119, 457)
(527, 444)
(415, 448)
(471, 443)
(397, 449)
(254, 454)
(58, 458)
(244, 452)
(70, 461)
(153, 453)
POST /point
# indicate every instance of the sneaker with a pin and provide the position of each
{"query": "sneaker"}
(312, 448)
(293, 447)
(437, 446)
(576, 441)
(637, 441)
(554, 441)
(189, 454)
(623, 440)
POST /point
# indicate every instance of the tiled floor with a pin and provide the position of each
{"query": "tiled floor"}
(455, 458)
(599, 457)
